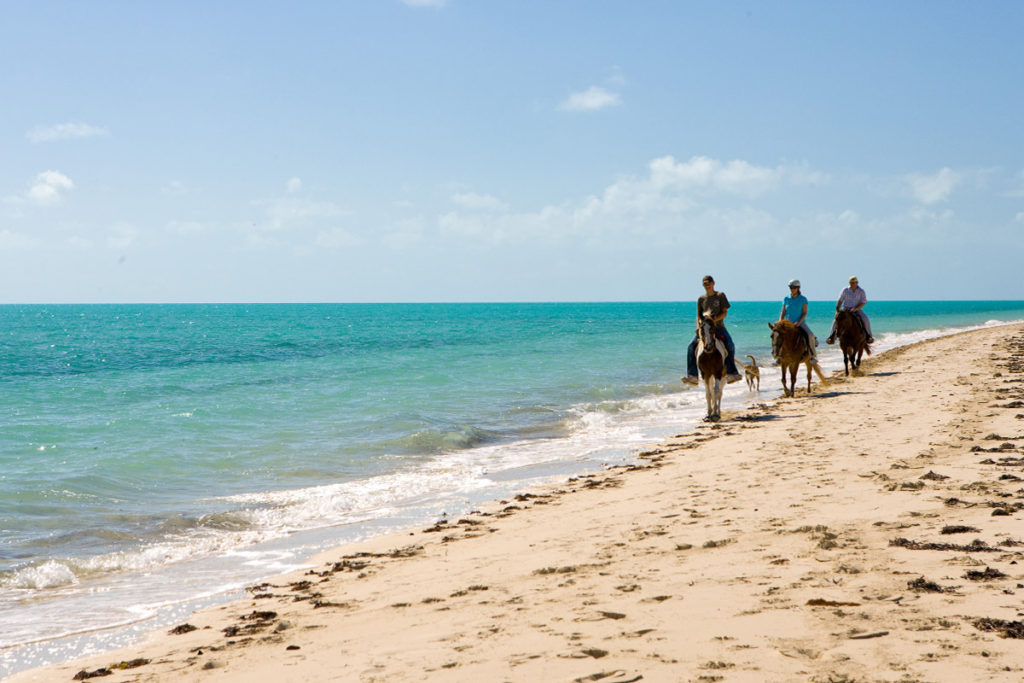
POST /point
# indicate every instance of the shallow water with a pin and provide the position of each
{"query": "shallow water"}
(155, 456)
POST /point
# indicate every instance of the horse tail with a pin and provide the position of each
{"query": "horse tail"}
(867, 349)
(817, 369)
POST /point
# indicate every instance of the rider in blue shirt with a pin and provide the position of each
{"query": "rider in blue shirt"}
(794, 309)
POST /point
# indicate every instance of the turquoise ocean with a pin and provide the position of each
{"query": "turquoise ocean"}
(156, 458)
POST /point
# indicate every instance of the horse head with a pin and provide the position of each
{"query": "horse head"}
(777, 337)
(706, 332)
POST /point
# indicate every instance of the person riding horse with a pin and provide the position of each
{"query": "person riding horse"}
(794, 309)
(716, 305)
(852, 298)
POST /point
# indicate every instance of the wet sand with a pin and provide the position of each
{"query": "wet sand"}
(867, 532)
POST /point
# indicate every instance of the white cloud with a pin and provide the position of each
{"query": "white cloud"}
(121, 236)
(289, 213)
(930, 189)
(49, 188)
(616, 77)
(1018, 186)
(407, 233)
(175, 188)
(293, 185)
(593, 98)
(16, 240)
(185, 227)
(674, 198)
(79, 242)
(337, 238)
(471, 200)
(64, 131)
(702, 173)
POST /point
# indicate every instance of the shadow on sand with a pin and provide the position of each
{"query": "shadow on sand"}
(834, 394)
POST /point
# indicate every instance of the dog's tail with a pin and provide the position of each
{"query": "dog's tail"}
(752, 360)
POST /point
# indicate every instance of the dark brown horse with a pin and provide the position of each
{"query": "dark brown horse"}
(790, 347)
(711, 361)
(853, 339)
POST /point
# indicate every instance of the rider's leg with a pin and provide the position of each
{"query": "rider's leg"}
(832, 334)
(812, 341)
(730, 353)
(691, 360)
(867, 325)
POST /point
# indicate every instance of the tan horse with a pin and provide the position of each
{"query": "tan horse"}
(711, 362)
(790, 348)
(853, 339)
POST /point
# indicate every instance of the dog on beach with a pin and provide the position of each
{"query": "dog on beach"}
(751, 373)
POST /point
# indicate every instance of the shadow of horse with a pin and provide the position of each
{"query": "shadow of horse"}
(853, 339)
(711, 363)
(791, 349)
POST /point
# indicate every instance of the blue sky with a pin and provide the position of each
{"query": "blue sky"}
(472, 150)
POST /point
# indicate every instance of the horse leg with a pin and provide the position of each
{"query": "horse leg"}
(719, 386)
(846, 362)
(808, 377)
(708, 397)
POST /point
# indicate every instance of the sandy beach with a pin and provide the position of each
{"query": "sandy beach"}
(866, 532)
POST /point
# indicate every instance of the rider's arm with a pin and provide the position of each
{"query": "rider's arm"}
(803, 316)
(782, 313)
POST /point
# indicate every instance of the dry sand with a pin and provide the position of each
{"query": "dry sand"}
(867, 532)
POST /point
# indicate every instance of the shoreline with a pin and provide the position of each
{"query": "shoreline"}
(582, 598)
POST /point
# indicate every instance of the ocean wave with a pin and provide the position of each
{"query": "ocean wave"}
(442, 440)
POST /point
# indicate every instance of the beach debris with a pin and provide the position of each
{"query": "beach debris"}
(932, 476)
(923, 585)
(109, 670)
(821, 602)
(85, 675)
(258, 621)
(717, 665)
(1005, 629)
(987, 575)
(865, 636)
(616, 676)
(554, 570)
(317, 604)
(976, 546)
(130, 664)
(612, 615)
(958, 529)
(595, 652)
(182, 628)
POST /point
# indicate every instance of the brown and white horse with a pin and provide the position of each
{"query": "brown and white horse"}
(711, 362)
(791, 348)
(853, 339)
